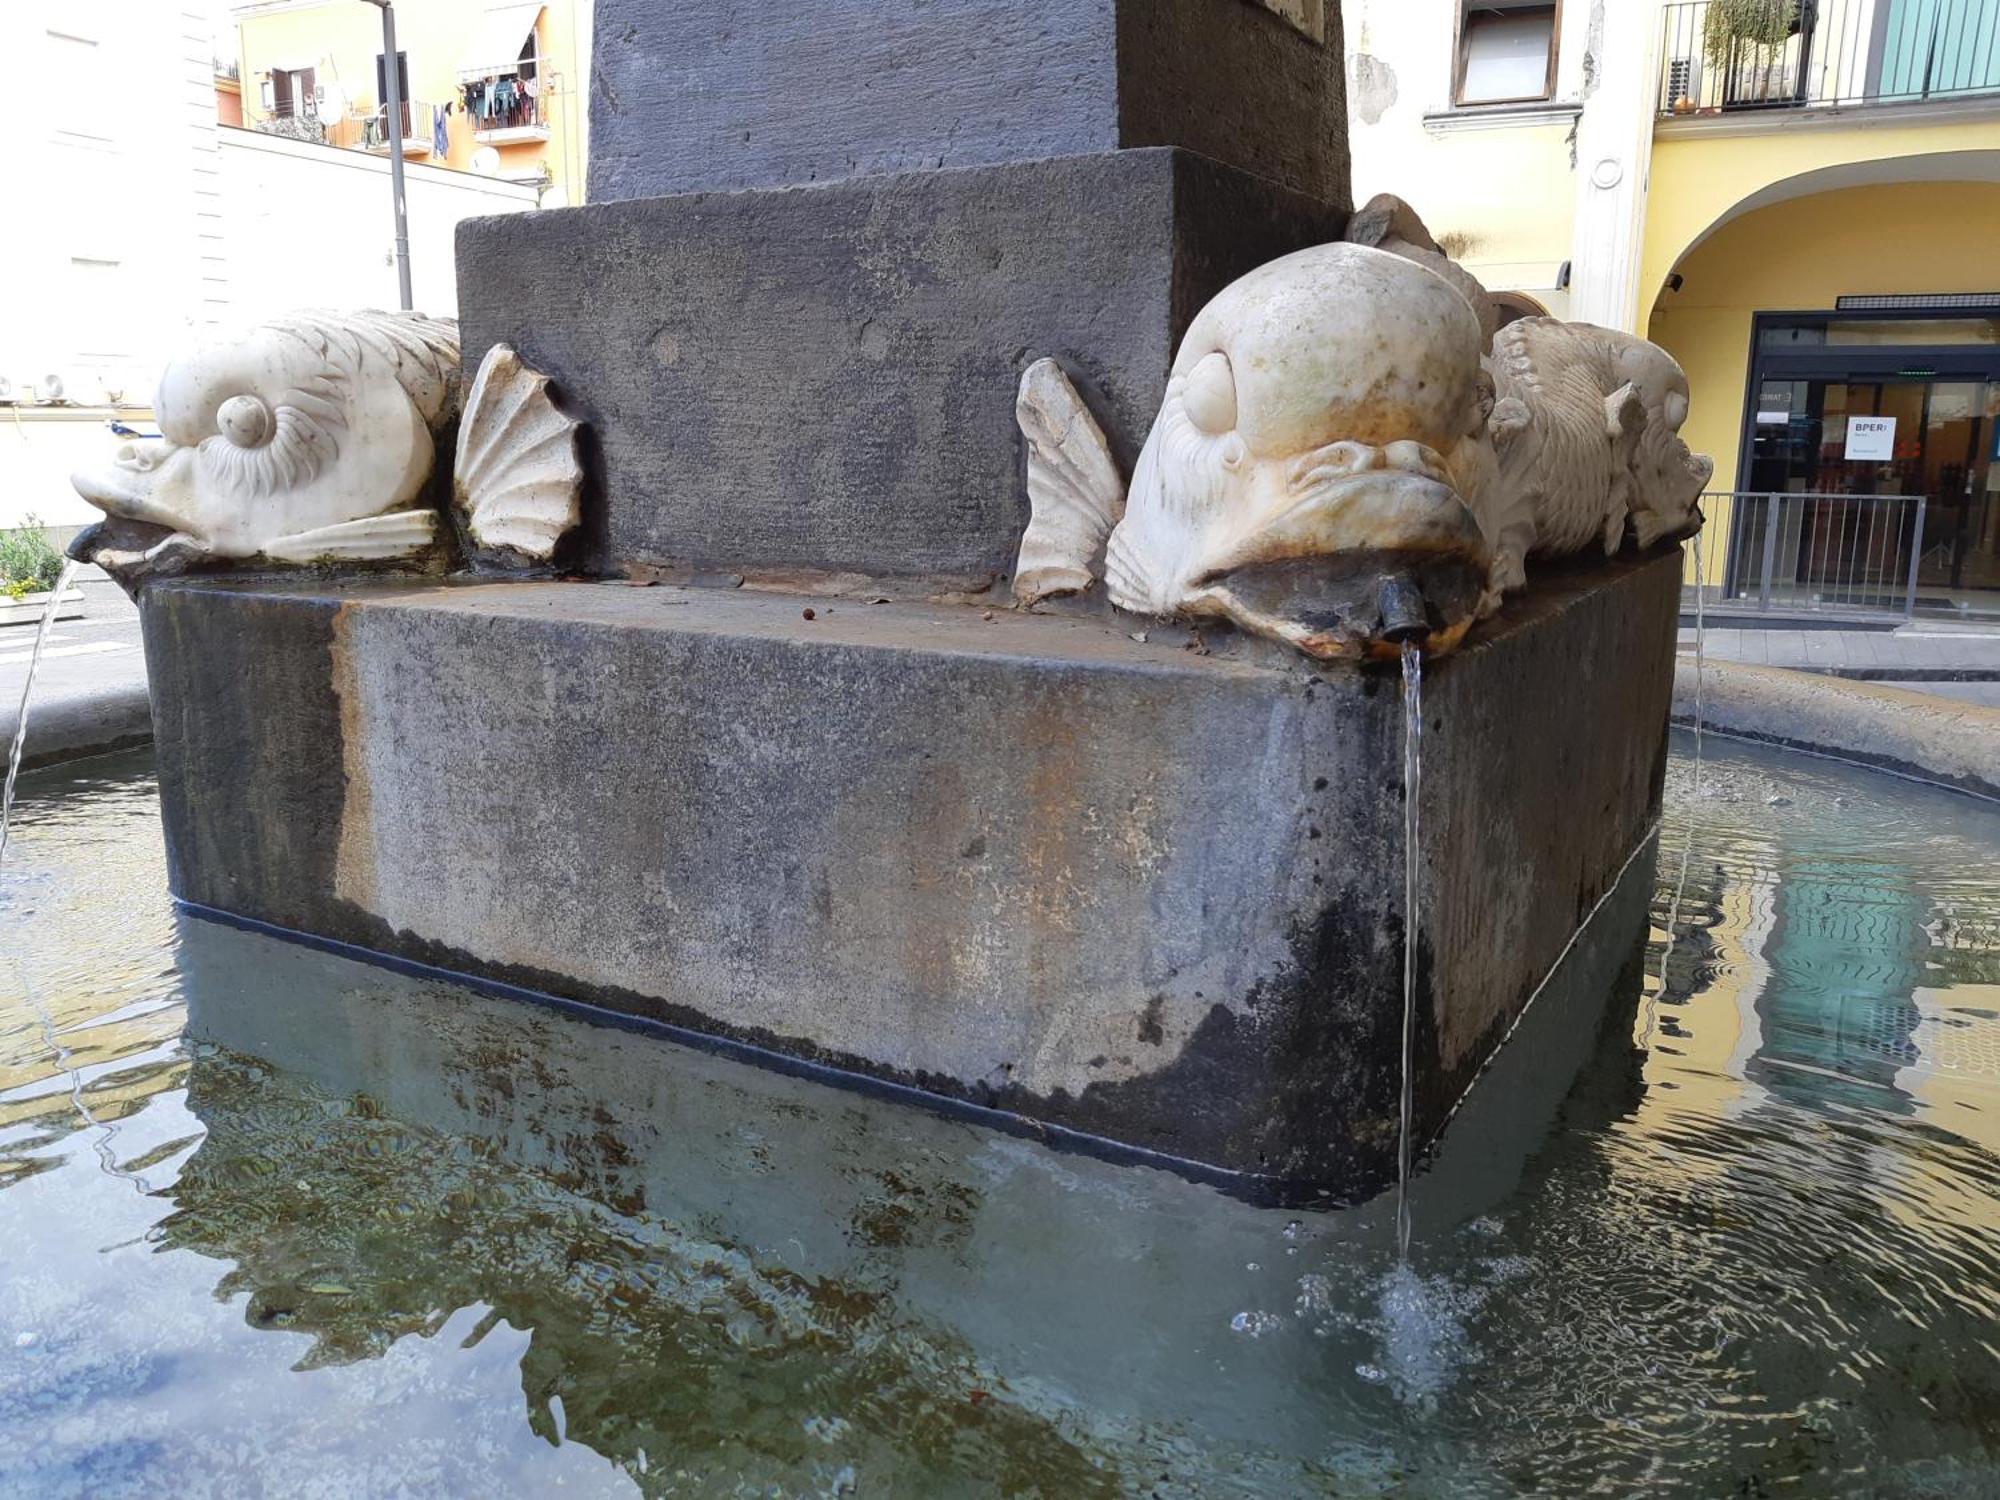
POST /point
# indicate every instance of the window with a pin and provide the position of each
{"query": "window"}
(402, 93)
(1506, 51)
(290, 92)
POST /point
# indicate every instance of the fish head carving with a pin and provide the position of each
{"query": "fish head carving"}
(1668, 477)
(304, 423)
(1320, 421)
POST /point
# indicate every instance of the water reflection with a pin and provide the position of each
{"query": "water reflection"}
(1723, 1224)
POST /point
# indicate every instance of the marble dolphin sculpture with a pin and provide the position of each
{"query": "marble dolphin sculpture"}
(314, 438)
(1349, 456)
(1309, 472)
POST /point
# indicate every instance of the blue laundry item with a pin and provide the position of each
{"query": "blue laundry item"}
(440, 135)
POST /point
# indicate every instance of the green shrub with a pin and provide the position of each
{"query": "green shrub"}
(1760, 23)
(29, 561)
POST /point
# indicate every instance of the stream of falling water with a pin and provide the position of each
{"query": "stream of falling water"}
(27, 695)
(1413, 778)
(65, 1058)
(1700, 641)
(1694, 802)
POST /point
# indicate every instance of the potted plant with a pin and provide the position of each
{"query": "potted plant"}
(30, 567)
(1745, 40)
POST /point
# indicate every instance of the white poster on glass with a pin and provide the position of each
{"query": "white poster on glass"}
(1871, 439)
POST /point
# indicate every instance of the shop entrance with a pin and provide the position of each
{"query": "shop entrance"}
(1888, 409)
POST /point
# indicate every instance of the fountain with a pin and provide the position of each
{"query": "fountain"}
(20, 744)
(913, 592)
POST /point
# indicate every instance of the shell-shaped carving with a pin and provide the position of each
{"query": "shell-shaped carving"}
(1075, 495)
(518, 481)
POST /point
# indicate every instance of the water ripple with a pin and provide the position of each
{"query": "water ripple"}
(411, 1240)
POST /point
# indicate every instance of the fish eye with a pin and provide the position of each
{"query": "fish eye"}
(1210, 396)
(245, 421)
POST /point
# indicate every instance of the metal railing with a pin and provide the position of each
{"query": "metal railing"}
(1723, 56)
(1838, 554)
(418, 124)
(507, 96)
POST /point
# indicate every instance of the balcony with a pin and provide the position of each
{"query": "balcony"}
(1738, 57)
(418, 132)
(505, 104)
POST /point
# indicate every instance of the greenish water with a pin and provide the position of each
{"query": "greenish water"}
(1722, 1224)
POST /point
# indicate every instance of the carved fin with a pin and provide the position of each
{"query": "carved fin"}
(1624, 413)
(1384, 218)
(1625, 419)
(1075, 494)
(401, 533)
(518, 478)
(1510, 419)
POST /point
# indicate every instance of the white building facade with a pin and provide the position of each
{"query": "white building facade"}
(149, 226)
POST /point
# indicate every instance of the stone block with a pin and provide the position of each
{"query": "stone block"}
(825, 378)
(690, 95)
(1091, 884)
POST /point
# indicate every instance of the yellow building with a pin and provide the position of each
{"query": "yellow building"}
(1800, 199)
(498, 89)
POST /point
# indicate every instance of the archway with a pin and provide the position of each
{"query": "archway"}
(1874, 265)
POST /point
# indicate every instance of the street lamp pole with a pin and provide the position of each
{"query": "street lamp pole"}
(392, 86)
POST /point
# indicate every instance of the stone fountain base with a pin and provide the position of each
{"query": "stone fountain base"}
(1092, 885)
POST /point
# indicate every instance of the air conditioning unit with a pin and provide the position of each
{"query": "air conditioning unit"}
(7, 397)
(50, 390)
(1683, 85)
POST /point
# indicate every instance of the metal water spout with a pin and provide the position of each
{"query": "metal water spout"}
(1405, 615)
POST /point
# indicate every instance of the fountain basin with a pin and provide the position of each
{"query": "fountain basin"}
(29, 609)
(1078, 879)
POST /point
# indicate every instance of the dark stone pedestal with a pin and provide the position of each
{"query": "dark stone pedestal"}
(692, 94)
(824, 378)
(1108, 889)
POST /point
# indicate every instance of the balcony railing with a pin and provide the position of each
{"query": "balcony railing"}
(418, 128)
(1726, 56)
(504, 103)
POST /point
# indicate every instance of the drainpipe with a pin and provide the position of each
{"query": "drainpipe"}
(392, 85)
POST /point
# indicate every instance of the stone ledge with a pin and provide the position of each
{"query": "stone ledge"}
(1027, 864)
(1892, 729)
(80, 723)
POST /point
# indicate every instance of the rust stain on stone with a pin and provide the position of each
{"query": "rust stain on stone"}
(1054, 825)
(355, 877)
(939, 919)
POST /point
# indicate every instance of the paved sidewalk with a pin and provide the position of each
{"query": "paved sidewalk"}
(1945, 660)
(91, 691)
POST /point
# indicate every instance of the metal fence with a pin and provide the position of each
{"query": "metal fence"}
(1842, 554)
(1721, 56)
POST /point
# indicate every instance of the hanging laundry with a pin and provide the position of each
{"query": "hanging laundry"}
(440, 134)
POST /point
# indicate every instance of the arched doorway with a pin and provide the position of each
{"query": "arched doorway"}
(1844, 352)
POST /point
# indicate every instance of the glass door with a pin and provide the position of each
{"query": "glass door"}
(1817, 442)
(1840, 463)
(1858, 422)
(1961, 556)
